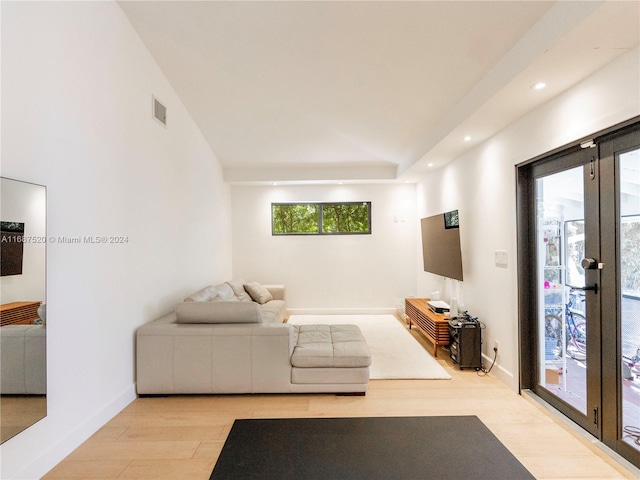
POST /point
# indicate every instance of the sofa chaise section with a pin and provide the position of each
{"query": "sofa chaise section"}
(329, 354)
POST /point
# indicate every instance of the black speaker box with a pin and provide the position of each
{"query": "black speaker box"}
(466, 344)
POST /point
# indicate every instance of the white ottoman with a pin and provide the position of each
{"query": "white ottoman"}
(335, 356)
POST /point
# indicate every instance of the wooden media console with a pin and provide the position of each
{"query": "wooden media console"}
(18, 313)
(433, 325)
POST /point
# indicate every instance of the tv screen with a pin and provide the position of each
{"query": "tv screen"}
(441, 251)
(11, 248)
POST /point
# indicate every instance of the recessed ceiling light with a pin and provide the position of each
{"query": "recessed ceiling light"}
(467, 138)
(274, 184)
(429, 164)
(538, 86)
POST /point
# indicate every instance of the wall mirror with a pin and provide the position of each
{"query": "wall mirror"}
(23, 323)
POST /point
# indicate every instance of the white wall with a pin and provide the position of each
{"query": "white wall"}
(26, 203)
(329, 274)
(77, 84)
(481, 184)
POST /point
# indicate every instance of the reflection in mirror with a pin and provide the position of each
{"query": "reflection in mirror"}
(23, 364)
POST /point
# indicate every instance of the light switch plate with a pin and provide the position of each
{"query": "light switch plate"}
(501, 258)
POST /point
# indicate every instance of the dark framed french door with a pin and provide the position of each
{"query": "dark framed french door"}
(563, 225)
(579, 283)
(620, 212)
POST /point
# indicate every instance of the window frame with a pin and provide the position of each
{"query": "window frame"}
(320, 206)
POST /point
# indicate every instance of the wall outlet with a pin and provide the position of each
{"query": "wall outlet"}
(496, 346)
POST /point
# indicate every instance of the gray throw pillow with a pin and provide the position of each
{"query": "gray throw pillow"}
(258, 292)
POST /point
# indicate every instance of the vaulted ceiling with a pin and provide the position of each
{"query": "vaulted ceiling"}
(322, 91)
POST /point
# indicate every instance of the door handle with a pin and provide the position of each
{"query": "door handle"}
(590, 264)
(593, 288)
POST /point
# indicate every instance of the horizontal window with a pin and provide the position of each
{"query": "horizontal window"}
(343, 218)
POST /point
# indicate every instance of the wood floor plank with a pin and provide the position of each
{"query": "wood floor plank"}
(168, 469)
(142, 450)
(221, 404)
(85, 469)
(180, 434)
(556, 467)
(109, 433)
(176, 419)
(209, 450)
(542, 439)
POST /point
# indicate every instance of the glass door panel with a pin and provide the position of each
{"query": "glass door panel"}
(560, 248)
(629, 294)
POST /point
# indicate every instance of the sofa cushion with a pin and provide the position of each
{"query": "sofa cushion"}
(218, 312)
(332, 346)
(23, 363)
(205, 294)
(273, 311)
(224, 293)
(239, 291)
(258, 293)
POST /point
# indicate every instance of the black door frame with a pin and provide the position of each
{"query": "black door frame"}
(572, 157)
(618, 138)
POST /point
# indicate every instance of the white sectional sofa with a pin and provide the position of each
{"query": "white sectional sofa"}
(230, 338)
(23, 361)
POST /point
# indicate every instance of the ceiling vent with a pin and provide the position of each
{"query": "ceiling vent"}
(159, 111)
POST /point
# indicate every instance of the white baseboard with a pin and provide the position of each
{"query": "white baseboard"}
(342, 311)
(64, 446)
(506, 372)
(503, 371)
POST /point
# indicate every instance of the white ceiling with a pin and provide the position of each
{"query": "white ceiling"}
(321, 91)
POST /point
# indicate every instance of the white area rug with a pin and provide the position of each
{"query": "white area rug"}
(395, 354)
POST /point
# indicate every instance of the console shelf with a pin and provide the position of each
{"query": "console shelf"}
(433, 325)
(18, 313)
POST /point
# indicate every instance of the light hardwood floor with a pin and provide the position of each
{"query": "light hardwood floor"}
(181, 437)
(18, 412)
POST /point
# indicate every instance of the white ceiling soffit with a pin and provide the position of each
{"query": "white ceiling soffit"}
(318, 91)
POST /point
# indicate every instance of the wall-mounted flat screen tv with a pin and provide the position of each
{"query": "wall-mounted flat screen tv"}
(11, 248)
(441, 251)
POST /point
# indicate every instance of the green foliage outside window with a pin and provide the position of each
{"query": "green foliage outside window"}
(630, 255)
(295, 218)
(321, 218)
(345, 218)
